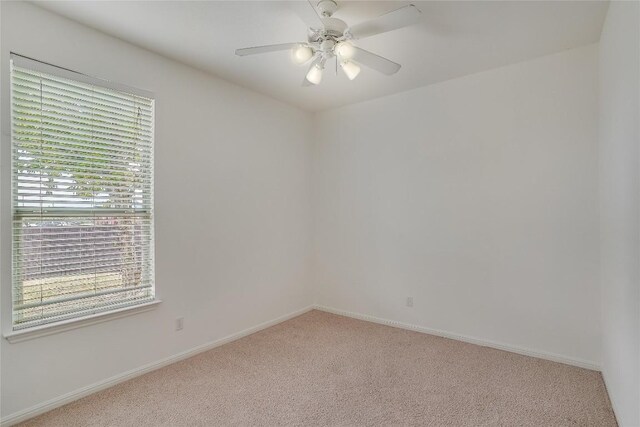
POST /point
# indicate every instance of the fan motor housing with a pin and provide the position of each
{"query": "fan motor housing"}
(327, 45)
(334, 27)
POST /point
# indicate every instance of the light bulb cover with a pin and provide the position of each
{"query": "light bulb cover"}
(351, 69)
(301, 54)
(344, 51)
(314, 75)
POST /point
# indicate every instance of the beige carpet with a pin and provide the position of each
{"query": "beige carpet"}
(321, 369)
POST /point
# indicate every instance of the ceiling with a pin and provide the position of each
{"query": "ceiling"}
(454, 38)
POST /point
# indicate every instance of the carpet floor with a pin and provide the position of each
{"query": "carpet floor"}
(321, 369)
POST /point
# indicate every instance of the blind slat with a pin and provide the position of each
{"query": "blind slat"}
(25, 105)
(74, 286)
(77, 309)
(58, 87)
(80, 89)
(33, 125)
(52, 137)
(46, 100)
(68, 296)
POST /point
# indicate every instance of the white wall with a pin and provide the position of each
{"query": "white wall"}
(620, 207)
(232, 212)
(477, 197)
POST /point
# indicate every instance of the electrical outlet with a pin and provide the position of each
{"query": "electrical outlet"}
(409, 301)
(179, 323)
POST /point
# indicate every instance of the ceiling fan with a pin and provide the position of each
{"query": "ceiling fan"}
(329, 37)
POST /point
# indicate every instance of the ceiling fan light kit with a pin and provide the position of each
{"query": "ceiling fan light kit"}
(331, 38)
(314, 75)
(344, 50)
(301, 54)
(351, 69)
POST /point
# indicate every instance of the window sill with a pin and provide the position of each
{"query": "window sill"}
(54, 328)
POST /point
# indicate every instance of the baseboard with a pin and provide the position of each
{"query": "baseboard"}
(473, 340)
(109, 382)
(610, 396)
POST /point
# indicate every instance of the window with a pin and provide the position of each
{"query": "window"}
(82, 189)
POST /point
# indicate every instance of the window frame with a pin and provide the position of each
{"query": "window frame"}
(16, 334)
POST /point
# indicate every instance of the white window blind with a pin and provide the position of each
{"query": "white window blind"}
(82, 184)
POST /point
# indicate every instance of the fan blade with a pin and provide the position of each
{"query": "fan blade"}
(264, 49)
(393, 20)
(374, 61)
(307, 13)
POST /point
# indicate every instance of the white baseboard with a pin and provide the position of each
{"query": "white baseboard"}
(587, 364)
(610, 395)
(41, 408)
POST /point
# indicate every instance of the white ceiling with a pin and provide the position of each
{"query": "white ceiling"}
(453, 39)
